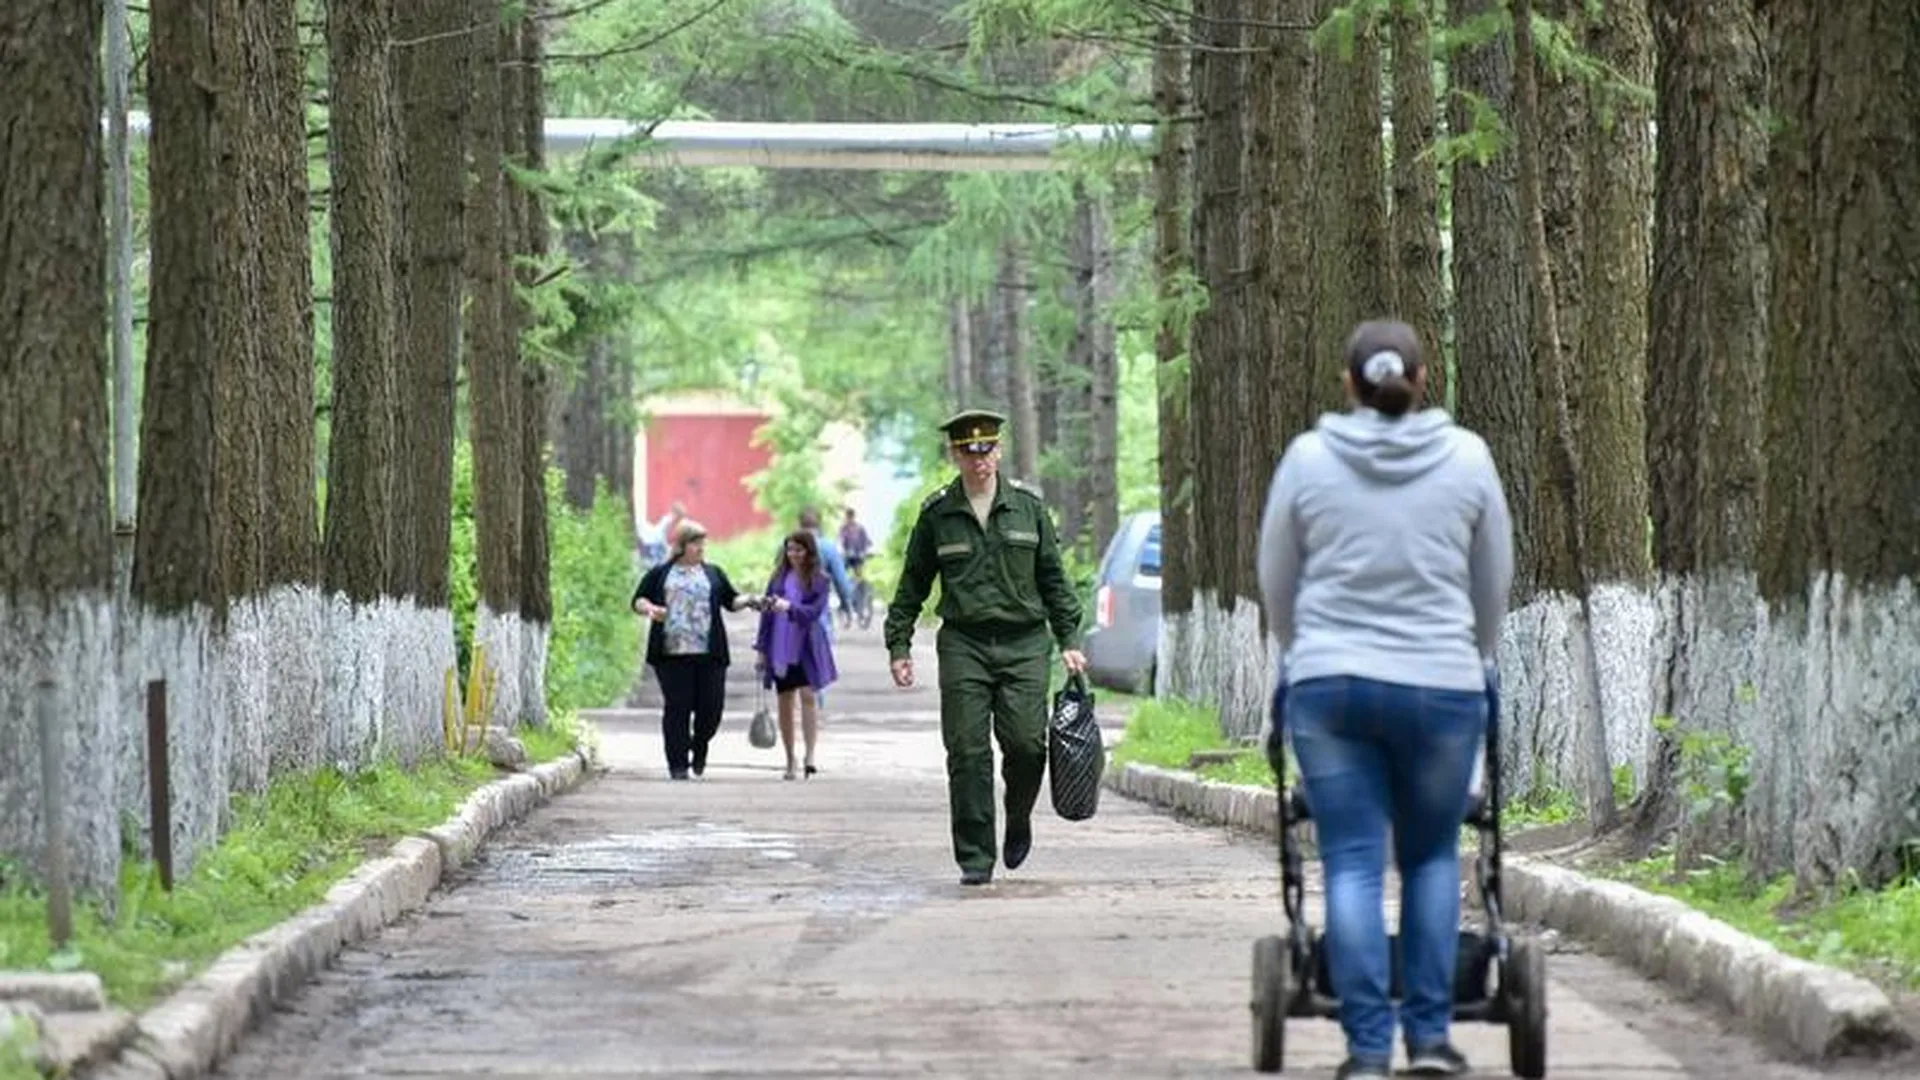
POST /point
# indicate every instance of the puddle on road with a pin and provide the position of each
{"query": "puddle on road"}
(724, 858)
(640, 858)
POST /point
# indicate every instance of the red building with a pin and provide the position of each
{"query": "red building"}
(699, 450)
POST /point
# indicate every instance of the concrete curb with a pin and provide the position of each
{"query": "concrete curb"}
(1818, 1011)
(188, 1033)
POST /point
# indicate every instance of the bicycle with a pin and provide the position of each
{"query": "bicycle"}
(860, 605)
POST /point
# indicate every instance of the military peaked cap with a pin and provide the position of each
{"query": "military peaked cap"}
(974, 430)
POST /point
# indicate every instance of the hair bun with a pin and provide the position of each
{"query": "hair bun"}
(1383, 365)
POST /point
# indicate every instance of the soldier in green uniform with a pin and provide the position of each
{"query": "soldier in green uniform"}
(1004, 602)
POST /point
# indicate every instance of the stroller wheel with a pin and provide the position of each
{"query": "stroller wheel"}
(1523, 985)
(1271, 988)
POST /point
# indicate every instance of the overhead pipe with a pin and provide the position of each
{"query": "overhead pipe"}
(933, 147)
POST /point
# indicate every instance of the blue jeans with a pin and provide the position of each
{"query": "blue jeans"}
(1373, 756)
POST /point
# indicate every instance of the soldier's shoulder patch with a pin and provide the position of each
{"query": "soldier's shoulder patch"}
(1022, 485)
(938, 494)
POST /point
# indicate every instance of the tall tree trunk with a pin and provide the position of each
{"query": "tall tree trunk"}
(1418, 293)
(283, 242)
(244, 195)
(1565, 132)
(1844, 535)
(361, 465)
(1100, 490)
(1596, 775)
(430, 63)
(582, 429)
(1171, 264)
(1279, 381)
(536, 594)
(177, 570)
(960, 378)
(56, 557)
(1706, 384)
(493, 376)
(1613, 334)
(1225, 639)
(1350, 255)
(1023, 412)
(1494, 385)
(429, 66)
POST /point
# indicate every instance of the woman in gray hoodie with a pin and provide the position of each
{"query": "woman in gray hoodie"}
(1385, 563)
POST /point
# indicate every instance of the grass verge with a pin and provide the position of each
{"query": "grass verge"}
(1875, 932)
(17, 1051)
(281, 852)
(1167, 733)
(565, 732)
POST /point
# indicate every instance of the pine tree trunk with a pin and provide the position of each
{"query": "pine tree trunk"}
(431, 67)
(1843, 535)
(1278, 383)
(960, 380)
(56, 557)
(1100, 486)
(1350, 256)
(177, 565)
(1172, 386)
(1596, 775)
(536, 594)
(1494, 384)
(1418, 292)
(361, 465)
(493, 376)
(1706, 394)
(291, 535)
(1224, 640)
(1613, 332)
(1023, 412)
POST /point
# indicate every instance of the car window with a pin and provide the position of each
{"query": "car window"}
(1150, 553)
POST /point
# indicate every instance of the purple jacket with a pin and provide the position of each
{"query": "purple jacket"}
(797, 635)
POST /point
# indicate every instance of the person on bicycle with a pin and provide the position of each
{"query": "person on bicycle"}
(856, 545)
(1385, 565)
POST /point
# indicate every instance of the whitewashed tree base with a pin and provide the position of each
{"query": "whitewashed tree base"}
(499, 641)
(294, 629)
(1824, 693)
(533, 673)
(420, 653)
(71, 640)
(184, 650)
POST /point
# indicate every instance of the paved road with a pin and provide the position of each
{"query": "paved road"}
(746, 926)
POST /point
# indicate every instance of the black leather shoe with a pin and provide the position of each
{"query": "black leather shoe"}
(1019, 843)
(976, 877)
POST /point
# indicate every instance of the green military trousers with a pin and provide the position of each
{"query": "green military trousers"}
(993, 686)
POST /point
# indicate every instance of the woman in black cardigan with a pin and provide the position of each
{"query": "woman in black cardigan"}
(687, 645)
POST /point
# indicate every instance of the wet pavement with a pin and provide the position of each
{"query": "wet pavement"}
(745, 926)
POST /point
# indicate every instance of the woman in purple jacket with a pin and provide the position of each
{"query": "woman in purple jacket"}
(795, 656)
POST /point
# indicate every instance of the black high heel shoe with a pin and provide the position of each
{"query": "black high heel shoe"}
(811, 770)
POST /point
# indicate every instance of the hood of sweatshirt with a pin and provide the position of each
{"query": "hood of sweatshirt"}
(1389, 450)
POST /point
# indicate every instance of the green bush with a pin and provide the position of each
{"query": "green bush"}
(593, 648)
(593, 651)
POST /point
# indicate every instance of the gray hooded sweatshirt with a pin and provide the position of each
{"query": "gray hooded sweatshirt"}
(1386, 551)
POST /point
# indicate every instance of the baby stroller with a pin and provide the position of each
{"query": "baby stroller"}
(1498, 979)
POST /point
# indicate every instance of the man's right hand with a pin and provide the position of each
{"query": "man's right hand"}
(903, 673)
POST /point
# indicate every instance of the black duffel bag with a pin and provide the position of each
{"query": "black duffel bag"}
(1076, 757)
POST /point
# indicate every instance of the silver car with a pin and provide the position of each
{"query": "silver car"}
(1125, 636)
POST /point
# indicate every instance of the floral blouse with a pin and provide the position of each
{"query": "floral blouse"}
(689, 610)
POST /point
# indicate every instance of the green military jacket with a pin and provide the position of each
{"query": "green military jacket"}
(1005, 575)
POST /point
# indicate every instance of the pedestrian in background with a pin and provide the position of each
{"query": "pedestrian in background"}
(795, 653)
(1004, 602)
(683, 598)
(1385, 563)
